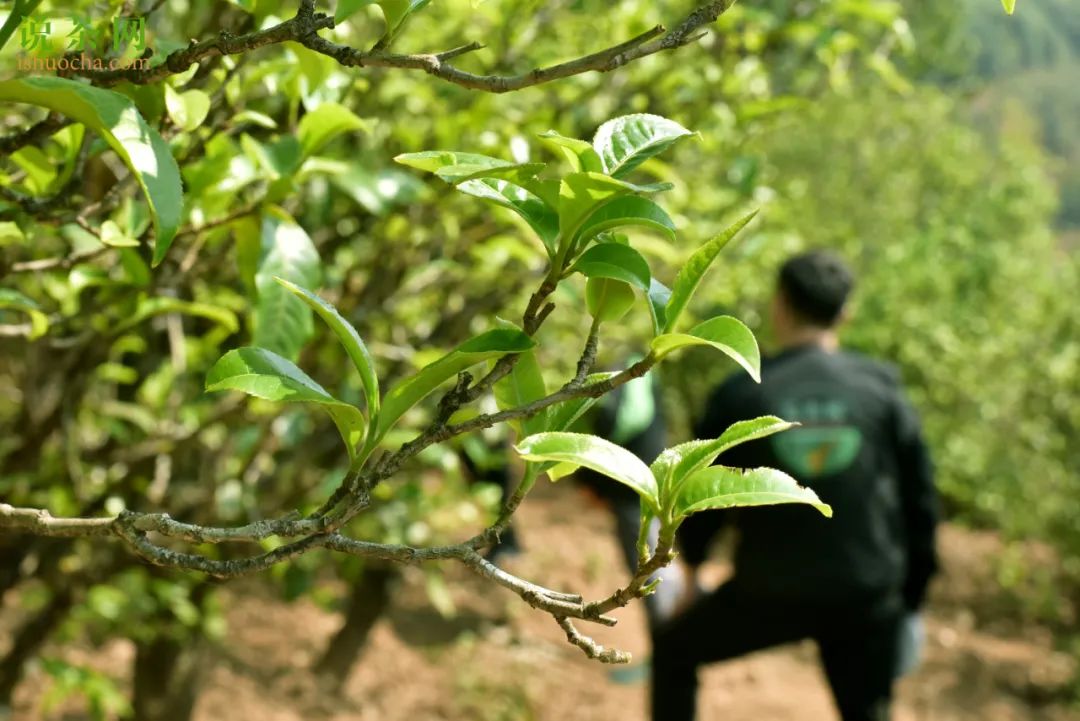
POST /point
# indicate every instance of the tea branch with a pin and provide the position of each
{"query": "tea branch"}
(304, 28)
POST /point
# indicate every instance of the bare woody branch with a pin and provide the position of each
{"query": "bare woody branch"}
(134, 527)
(304, 28)
(34, 134)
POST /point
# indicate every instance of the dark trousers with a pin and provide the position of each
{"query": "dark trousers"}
(858, 646)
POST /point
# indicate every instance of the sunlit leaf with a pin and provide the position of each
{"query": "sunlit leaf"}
(397, 12)
(283, 322)
(115, 118)
(595, 453)
(616, 261)
(677, 463)
(582, 193)
(187, 109)
(626, 142)
(724, 333)
(540, 216)
(719, 487)
(264, 374)
(627, 211)
(582, 156)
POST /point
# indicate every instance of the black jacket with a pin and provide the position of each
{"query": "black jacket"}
(861, 449)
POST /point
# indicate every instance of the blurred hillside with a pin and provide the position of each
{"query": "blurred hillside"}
(1030, 60)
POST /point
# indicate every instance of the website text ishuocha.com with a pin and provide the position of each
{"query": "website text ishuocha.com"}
(78, 62)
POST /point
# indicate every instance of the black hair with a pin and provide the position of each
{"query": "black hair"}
(816, 285)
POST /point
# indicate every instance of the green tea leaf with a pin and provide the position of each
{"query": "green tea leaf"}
(539, 215)
(630, 210)
(523, 385)
(377, 192)
(677, 463)
(435, 160)
(282, 322)
(161, 305)
(264, 374)
(595, 453)
(347, 8)
(659, 295)
(627, 142)
(722, 487)
(691, 274)
(616, 261)
(582, 193)
(350, 340)
(112, 235)
(397, 12)
(581, 155)
(728, 335)
(115, 118)
(517, 173)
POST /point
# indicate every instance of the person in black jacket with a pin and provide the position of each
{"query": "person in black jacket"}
(848, 582)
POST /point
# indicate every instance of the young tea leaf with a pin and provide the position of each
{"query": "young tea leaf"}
(722, 487)
(187, 109)
(541, 217)
(264, 374)
(626, 142)
(350, 340)
(435, 160)
(616, 261)
(596, 453)
(728, 335)
(677, 463)
(659, 295)
(582, 193)
(581, 155)
(523, 385)
(626, 211)
(689, 278)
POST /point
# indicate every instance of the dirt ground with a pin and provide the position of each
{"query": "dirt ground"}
(498, 660)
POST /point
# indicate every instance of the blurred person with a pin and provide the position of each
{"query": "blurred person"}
(851, 583)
